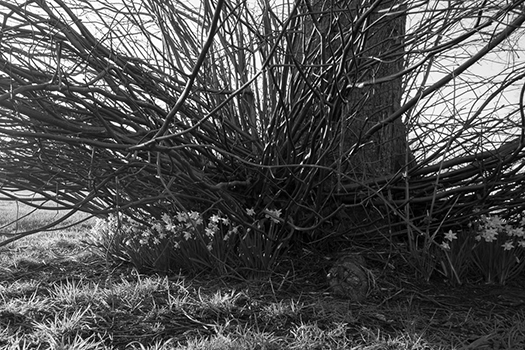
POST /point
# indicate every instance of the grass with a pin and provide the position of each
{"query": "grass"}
(57, 294)
(16, 217)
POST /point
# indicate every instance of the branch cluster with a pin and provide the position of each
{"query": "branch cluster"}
(151, 106)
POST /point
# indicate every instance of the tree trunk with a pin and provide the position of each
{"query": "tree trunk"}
(362, 49)
(357, 48)
(382, 56)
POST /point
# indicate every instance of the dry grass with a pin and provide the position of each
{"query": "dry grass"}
(56, 294)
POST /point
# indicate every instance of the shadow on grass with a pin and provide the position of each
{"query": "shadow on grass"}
(57, 293)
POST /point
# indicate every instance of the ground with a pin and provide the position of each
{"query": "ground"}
(58, 293)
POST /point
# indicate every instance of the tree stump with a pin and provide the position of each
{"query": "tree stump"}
(349, 278)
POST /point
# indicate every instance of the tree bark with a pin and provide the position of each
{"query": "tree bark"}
(363, 47)
(386, 152)
(356, 49)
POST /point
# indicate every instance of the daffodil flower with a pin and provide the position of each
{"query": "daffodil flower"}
(450, 235)
(508, 245)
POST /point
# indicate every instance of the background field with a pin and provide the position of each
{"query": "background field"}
(16, 217)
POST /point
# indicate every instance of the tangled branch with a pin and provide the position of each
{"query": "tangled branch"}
(150, 106)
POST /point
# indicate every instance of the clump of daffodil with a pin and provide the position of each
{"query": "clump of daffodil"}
(193, 242)
(495, 249)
